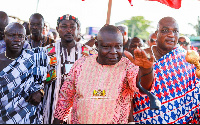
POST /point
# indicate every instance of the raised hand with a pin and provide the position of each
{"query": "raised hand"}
(140, 58)
(35, 98)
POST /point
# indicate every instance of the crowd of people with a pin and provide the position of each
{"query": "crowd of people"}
(50, 77)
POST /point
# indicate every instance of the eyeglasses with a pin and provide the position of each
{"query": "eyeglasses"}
(183, 43)
(152, 40)
(166, 31)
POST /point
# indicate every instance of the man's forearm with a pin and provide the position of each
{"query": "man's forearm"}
(147, 77)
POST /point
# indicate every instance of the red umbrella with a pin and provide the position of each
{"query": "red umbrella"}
(171, 3)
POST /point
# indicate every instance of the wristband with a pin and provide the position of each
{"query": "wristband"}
(147, 73)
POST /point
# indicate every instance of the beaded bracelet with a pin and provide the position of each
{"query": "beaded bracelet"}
(147, 73)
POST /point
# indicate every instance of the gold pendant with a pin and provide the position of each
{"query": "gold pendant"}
(99, 92)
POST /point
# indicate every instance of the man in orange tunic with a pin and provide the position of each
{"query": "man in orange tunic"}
(99, 88)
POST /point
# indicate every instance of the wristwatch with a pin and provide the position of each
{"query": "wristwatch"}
(42, 92)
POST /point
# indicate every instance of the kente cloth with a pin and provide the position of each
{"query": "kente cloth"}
(3, 46)
(97, 93)
(52, 88)
(177, 88)
(45, 41)
(18, 80)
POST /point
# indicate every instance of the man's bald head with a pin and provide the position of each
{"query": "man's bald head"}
(36, 26)
(37, 15)
(111, 30)
(167, 34)
(110, 45)
(166, 19)
(14, 26)
(14, 37)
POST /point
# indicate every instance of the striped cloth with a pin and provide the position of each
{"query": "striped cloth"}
(177, 87)
(18, 80)
(52, 88)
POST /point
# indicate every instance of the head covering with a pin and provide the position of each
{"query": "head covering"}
(67, 17)
(79, 23)
(187, 40)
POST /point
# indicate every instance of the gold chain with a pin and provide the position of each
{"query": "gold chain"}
(8, 57)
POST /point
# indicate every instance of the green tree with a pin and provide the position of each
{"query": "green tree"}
(137, 27)
(196, 27)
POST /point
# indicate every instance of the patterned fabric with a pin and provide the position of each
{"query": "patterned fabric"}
(3, 46)
(67, 17)
(85, 77)
(52, 87)
(18, 80)
(44, 42)
(177, 88)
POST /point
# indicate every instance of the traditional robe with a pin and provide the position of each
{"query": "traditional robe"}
(97, 93)
(177, 88)
(18, 80)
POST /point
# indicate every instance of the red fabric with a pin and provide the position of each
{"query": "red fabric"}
(172, 3)
(193, 48)
(73, 17)
(130, 1)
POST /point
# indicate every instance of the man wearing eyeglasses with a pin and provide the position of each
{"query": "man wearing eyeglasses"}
(184, 42)
(176, 85)
(152, 39)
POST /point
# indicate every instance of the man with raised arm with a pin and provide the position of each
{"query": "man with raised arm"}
(175, 82)
(99, 88)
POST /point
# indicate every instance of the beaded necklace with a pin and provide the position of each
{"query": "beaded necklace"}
(153, 52)
(64, 56)
(9, 57)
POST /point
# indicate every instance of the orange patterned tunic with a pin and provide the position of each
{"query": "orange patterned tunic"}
(97, 93)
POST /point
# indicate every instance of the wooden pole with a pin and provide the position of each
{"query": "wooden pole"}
(109, 12)
(37, 6)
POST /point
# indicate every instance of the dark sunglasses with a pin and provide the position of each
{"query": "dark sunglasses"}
(183, 43)
(152, 40)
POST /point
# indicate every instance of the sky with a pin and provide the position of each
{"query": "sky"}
(93, 13)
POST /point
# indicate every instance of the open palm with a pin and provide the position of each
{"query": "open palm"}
(140, 58)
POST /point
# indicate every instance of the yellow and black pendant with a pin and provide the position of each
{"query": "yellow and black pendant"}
(99, 92)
